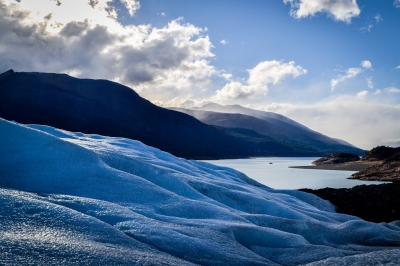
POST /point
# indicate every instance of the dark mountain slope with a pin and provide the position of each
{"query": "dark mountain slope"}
(286, 123)
(282, 129)
(111, 109)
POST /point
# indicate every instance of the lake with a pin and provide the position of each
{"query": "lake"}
(278, 174)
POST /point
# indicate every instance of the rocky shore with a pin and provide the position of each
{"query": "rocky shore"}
(374, 203)
(386, 171)
(336, 158)
(348, 166)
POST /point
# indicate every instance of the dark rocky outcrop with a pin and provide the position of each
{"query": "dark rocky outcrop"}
(374, 203)
(382, 153)
(387, 170)
(337, 158)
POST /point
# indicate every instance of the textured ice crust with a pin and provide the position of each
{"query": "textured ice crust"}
(381, 258)
(71, 198)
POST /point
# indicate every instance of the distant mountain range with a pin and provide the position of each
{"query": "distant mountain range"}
(269, 124)
(108, 108)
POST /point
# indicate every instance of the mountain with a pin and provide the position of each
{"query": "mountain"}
(76, 199)
(274, 118)
(269, 124)
(111, 109)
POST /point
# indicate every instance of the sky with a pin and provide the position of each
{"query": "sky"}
(332, 65)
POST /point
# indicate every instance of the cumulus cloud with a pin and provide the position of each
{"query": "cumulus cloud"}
(350, 73)
(260, 77)
(366, 64)
(84, 38)
(131, 5)
(341, 10)
(226, 76)
(223, 42)
(358, 120)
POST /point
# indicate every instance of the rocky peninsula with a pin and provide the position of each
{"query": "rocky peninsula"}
(374, 203)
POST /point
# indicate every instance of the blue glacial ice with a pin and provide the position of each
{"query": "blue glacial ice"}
(76, 199)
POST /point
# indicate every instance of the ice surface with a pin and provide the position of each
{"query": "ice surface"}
(71, 198)
(381, 258)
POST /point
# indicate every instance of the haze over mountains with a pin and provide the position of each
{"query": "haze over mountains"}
(269, 124)
(111, 109)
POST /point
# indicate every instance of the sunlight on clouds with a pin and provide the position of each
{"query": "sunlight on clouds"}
(342, 10)
(85, 39)
(131, 5)
(226, 76)
(54, 16)
(264, 74)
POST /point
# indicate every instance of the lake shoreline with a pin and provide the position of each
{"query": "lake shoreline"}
(349, 166)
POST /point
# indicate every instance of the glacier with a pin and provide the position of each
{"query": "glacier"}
(78, 199)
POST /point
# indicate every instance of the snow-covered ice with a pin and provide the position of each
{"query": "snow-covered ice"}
(70, 198)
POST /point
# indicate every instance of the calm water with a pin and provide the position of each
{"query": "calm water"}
(279, 175)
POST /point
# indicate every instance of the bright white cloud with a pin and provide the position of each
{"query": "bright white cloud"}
(341, 10)
(366, 64)
(350, 73)
(392, 90)
(358, 120)
(362, 94)
(370, 83)
(84, 38)
(223, 42)
(226, 76)
(260, 77)
(131, 5)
